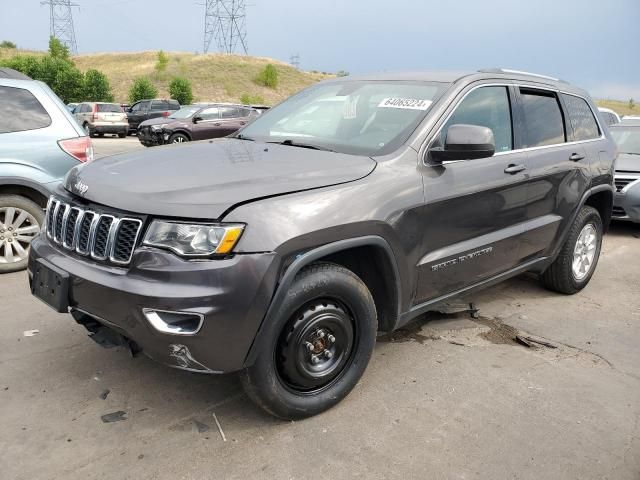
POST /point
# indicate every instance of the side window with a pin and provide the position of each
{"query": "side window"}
(209, 113)
(486, 107)
(228, 112)
(581, 117)
(20, 111)
(543, 117)
(158, 105)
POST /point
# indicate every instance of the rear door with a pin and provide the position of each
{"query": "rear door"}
(159, 108)
(474, 208)
(558, 168)
(231, 121)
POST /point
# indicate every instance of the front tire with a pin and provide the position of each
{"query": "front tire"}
(178, 138)
(317, 347)
(20, 222)
(577, 260)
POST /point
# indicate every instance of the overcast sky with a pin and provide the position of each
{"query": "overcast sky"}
(592, 43)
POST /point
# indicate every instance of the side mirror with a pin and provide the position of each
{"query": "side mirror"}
(465, 142)
(197, 119)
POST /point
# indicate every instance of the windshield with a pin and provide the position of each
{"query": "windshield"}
(357, 117)
(184, 112)
(627, 139)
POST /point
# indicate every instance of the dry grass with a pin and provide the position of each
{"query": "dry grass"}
(214, 77)
(620, 107)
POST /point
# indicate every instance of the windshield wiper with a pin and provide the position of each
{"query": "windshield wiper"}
(244, 137)
(291, 143)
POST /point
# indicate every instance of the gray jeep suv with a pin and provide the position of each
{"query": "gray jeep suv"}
(39, 142)
(351, 208)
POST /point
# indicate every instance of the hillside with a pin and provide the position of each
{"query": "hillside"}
(620, 107)
(214, 77)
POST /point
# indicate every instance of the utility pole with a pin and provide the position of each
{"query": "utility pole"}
(225, 21)
(294, 60)
(61, 22)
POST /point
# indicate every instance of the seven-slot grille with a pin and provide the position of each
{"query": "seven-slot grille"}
(100, 235)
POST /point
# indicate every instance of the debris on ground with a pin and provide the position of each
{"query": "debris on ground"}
(201, 427)
(105, 393)
(533, 342)
(114, 417)
(224, 438)
(30, 333)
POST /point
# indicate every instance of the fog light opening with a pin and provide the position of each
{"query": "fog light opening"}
(174, 323)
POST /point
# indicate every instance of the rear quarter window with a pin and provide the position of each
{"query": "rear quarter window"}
(109, 108)
(20, 111)
(581, 117)
(543, 117)
(159, 105)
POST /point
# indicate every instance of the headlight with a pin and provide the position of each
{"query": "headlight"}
(193, 240)
(157, 128)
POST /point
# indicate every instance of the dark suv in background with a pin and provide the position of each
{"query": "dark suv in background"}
(146, 109)
(195, 122)
(351, 208)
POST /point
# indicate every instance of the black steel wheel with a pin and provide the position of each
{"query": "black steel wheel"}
(316, 345)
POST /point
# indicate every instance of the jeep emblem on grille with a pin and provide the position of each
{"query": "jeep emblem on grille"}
(81, 187)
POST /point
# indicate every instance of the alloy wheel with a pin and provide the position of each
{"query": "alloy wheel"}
(584, 251)
(17, 229)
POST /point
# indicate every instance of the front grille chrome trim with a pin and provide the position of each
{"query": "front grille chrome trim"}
(135, 241)
(54, 213)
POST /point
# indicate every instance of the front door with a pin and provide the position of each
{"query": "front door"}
(474, 208)
(207, 125)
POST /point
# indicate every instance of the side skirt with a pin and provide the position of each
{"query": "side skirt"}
(417, 310)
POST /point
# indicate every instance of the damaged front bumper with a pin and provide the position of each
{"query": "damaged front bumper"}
(626, 202)
(199, 316)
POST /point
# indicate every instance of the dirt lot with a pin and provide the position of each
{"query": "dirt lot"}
(448, 397)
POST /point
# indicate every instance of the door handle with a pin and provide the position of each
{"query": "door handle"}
(217, 124)
(575, 157)
(512, 169)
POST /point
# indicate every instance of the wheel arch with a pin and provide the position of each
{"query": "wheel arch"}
(370, 257)
(602, 200)
(183, 132)
(23, 187)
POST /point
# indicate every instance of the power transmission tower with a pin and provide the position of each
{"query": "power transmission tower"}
(225, 21)
(62, 22)
(294, 60)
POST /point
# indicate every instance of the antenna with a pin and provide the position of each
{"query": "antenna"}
(294, 60)
(225, 21)
(61, 19)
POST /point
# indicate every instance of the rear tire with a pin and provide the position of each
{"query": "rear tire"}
(317, 347)
(578, 258)
(122, 135)
(178, 138)
(21, 220)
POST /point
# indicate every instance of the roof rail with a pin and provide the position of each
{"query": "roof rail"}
(520, 72)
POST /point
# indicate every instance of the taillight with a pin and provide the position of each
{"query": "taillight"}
(79, 148)
(165, 114)
(94, 117)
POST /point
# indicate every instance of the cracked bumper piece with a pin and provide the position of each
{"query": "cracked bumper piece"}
(195, 315)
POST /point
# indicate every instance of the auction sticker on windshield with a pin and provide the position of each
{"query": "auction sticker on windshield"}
(408, 103)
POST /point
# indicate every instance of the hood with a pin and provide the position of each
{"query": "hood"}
(158, 121)
(205, 179)
(628, 163)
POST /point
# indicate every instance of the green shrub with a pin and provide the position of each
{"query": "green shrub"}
(57, 49)
(161, 62)
(96, 87)
(247, 99)
(268, 77)
(141, 89)
(7, 44)
(342, 73)
(180, 90)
